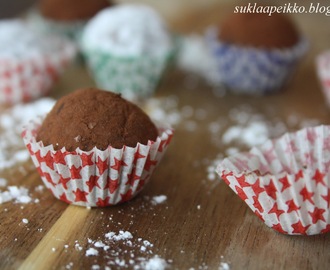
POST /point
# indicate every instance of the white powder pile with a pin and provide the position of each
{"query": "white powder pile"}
(121, 250)
(12, 149)
(92, 252)
(253, 134)
(158, 199)
(3, 182)
(224, 266)
(166, 110)
(128, 30)
(122, 235)
(16, 194)
(155, 263)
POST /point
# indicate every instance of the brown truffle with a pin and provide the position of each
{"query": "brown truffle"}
(70, 10)
(259, 30)
(90, 117)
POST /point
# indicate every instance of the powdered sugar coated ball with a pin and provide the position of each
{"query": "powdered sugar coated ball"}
(128, 30)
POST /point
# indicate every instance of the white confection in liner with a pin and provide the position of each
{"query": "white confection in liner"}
(19, 41)
(128, 30)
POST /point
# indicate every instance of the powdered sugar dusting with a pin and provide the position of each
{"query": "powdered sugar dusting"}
(112, 30)
(121, 250)
(12, 149)
(155, 263)
(159, 199)
(16, 194)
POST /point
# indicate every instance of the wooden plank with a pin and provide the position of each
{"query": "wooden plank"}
(202, 223)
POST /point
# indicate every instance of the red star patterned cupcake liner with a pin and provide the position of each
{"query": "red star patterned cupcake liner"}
(96, 178)
(285, 181)
(29, 68)
(323, 72)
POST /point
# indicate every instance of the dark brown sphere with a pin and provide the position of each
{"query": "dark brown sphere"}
(89, 118)
(71, 10)
(259, 30)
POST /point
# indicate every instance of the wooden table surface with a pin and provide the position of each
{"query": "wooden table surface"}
(202, 223)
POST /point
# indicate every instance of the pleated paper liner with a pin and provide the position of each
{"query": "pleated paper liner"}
(96, 178)
(323, 72)
(29, 76)
(285, 181)
(136, 78)
(247, 70)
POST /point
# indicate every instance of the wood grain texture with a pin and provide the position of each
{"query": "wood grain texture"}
(203, 222)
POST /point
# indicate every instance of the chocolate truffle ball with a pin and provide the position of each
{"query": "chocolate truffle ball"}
(89, 118)
(259, 30)
(70, 10)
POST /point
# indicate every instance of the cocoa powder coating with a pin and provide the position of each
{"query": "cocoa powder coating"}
(70, 10)
(259, 30)
(90, 117)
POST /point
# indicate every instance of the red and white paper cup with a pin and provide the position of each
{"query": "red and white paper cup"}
(285, 181)
(323, 72)
(30, 62)
(95, 178)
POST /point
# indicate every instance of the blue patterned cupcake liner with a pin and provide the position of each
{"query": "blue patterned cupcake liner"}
(247, 70)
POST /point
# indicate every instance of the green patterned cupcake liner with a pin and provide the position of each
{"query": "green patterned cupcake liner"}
(134, 77)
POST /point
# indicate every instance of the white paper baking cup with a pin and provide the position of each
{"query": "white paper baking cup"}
(323, 72)
(285, 181)
(95, 178)
(248, 70)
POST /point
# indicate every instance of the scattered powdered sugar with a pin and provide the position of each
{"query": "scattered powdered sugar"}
(3, 182)
(166, 110)
(16, 194)
(112, 29)
(122, 235)
(155, 263)
(12, 149)
(121, 250)
(92, 252)
(158, 199)
(253, 134)
(211, 173)
(25, 221)
(224, 266)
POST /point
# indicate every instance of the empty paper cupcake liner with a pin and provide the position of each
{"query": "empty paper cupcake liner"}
(134, 77)
(95, 178)
(248, 70)
(323, 72)
(285, 181)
